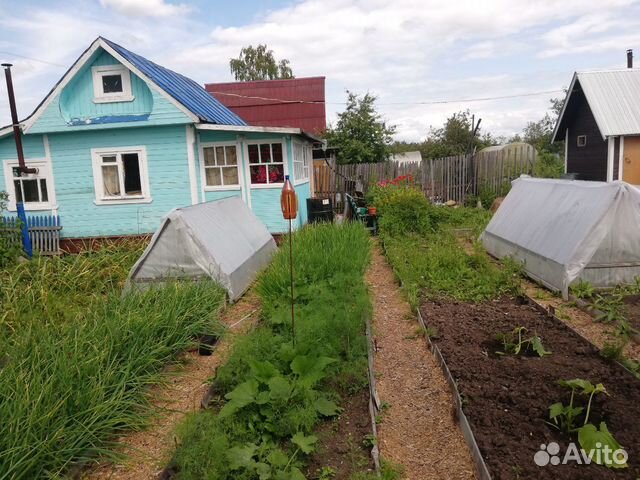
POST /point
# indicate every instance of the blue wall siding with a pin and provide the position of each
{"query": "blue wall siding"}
(76, 103)
(220, 194)
(72, 167)
(32, 146)
(303, 191)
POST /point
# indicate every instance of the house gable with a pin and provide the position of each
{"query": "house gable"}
(589, 161)
(75, 107)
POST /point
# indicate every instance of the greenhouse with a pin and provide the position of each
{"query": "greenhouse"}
(563, 231)
(222, 240)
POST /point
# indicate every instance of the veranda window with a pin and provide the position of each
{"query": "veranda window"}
(266, 163)
(302, 156)
(221, 166)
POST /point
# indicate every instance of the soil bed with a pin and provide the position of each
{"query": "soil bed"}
(507, 397)
(344, 446)
(632, 304)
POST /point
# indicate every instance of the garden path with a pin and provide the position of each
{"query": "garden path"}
(418, 429)
(149, 450)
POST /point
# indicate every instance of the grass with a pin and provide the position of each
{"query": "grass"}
(78, 358)
(428, 257)
(273, 394)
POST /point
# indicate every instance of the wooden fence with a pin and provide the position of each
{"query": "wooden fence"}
(441, 179)
(44, 232)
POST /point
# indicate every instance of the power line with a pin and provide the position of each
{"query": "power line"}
(278, 101)
(31, 58)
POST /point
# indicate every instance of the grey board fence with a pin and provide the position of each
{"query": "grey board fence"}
(44, 232)
(441, 179)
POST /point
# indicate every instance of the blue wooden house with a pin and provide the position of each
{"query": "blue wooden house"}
(120, 141)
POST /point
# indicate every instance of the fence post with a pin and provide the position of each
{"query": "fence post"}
(24, 228)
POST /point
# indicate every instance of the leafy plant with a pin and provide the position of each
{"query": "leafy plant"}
(514, 342)
(583, 289)
(10, 246)
(590, 437)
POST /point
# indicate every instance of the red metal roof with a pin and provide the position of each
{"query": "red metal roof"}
(296, 102)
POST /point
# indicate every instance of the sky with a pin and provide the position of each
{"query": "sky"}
(414, 55)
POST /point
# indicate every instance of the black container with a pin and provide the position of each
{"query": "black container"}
(319, 210)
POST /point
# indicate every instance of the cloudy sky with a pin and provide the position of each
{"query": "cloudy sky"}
(412, 54)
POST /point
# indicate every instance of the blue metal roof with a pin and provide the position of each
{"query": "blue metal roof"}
(189, 93)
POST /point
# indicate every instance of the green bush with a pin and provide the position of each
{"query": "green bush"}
(9, 251)
(548, 165)
(272, 393)
(77, 358)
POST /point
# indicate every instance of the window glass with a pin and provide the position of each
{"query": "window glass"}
(221, 166)
(230, 175)
(254, 156)
(214, 178)
(44, 195)
(231, 156)
(110, 180)
(112, 83)
(277, 152)
(30, 187)
(17, 185)
(220, 156)
(258, 174)
(265, 153)
(209, 157)
(276, 173)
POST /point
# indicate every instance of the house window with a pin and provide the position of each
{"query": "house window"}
(266, 163)
(120, 175)
(221, 166)
(582, 140)
(111, 83)
(32, 189)
(301, 161)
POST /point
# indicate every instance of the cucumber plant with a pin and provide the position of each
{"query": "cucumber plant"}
(516, 342)
(591, 438)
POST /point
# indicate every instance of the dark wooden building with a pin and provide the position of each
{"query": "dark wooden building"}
(600, 125)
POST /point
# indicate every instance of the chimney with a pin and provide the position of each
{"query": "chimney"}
(629, 58)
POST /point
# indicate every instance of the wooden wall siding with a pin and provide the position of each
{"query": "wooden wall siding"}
(589, 162)
(76, 100)
(44, 232)
(72, 169)
(32, 146)
(441, 179)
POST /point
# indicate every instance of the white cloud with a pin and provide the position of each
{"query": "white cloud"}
(146, 8)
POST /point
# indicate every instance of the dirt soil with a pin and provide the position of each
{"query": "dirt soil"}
(632, 303)
(150, 450)
(418, 430)
(507, 397)
(344, 442)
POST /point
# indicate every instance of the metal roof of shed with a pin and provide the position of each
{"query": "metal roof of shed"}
(614, 99)
(186, 91)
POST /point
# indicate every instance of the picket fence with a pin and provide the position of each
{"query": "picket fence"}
(44, 232)
(441, 179)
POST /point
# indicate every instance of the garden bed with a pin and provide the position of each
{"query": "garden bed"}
(506, 398)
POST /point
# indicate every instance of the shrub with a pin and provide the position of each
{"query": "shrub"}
(548, 165)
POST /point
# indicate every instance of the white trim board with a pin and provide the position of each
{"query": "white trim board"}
(191, 162)
(256, 129)
(610, 153)
(621, 158)
(77, 66)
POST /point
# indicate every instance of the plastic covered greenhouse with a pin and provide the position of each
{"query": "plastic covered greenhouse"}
(564, 230)
(223, 240)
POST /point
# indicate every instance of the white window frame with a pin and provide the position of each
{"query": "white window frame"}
(303, 163)
(578, 138)
(44, 171)
(96, 157)
(285, 161)
(99, 96)
(203, 168)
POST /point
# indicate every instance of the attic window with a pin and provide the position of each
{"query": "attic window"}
(582, 140)
(111, 83)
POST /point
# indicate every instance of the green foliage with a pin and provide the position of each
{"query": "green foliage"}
(274, 393)
(403, 210)
(539, 133)
(78, 358)
(583, 289)
(513, 343)
(548, 165)
(259, 63)
(9, 251)
(360, 135)
(566, 418)
(487, 195)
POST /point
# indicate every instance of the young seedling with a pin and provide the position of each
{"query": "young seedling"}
(591, 438)
(514, 343)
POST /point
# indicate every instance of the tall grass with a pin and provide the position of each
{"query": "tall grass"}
(332, 305)
(77, 358)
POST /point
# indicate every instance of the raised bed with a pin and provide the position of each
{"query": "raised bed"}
(631, 312)
(505, 399)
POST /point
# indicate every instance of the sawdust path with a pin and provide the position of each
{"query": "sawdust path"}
(150, 450)
(418, 429)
